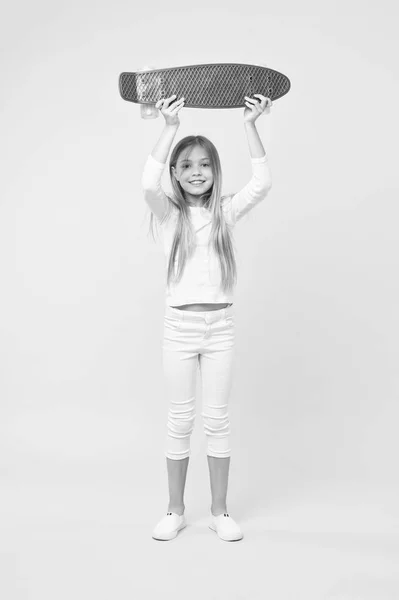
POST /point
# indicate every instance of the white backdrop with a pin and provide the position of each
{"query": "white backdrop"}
(313, 411)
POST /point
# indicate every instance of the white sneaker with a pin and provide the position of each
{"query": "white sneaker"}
(226, 528)
(169, 526)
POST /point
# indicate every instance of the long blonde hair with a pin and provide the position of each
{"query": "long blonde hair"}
(221, 237)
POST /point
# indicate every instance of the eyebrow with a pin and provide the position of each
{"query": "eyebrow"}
(187, 160)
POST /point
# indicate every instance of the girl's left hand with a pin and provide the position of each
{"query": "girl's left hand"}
(256, 108)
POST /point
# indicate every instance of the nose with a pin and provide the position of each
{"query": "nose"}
(196, 171)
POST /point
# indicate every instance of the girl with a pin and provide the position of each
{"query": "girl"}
(199, 324)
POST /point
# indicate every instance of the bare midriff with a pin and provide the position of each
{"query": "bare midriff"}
(201, 307)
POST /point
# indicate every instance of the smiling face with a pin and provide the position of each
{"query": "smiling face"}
(194, 173)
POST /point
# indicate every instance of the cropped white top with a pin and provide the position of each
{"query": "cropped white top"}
(201, 279)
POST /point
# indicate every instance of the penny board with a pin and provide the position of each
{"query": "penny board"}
(219, 85)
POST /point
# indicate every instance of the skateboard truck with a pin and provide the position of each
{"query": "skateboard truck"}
(148, 111)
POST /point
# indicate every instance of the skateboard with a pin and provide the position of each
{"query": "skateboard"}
(218, 85)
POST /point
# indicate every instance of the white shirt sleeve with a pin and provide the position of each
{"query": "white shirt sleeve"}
(154, 195)
(255, 190)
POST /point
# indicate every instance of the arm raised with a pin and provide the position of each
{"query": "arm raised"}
(154, 195)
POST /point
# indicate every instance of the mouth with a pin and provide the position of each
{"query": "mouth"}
(197, 182)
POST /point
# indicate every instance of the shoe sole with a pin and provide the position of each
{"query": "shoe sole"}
(226, 539)
(172, 535)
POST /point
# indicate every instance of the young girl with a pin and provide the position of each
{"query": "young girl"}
(197, 225)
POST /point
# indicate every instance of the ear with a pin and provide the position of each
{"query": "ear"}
(175, 173)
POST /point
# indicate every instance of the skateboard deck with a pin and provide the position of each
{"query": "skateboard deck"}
(219, 85)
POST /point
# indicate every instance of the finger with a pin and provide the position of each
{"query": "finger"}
(251, 100)
(169, 100)
(176, 108)
(176, 103)
(159, 103)
(265, 100)
(268, 106)
(255, 105)
(260, 105)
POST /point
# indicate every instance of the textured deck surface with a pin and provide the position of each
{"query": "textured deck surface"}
(207, 86)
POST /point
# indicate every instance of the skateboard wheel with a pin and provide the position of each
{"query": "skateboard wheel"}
(149, 111)
(147, 68)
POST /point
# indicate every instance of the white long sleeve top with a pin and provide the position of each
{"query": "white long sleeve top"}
(201, 279)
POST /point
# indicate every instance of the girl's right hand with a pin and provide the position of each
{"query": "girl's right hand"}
(170, 112)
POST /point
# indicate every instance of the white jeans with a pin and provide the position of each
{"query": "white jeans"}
(195, 339)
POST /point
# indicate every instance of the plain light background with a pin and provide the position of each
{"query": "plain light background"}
(314, 406)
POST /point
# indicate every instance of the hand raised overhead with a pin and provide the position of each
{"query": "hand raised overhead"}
(170, 108)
